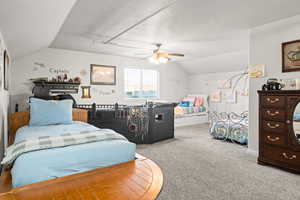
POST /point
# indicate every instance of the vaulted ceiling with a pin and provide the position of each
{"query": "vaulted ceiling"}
(213, 34)
(31, 24)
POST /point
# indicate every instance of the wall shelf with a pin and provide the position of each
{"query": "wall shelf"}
(43, 87)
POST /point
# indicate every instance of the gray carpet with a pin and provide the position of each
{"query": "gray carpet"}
(197, 167)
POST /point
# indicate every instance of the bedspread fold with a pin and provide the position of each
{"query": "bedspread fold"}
(60, 140)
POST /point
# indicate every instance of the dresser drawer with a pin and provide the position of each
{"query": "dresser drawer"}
(273, 114)
(274, 139)
(281, 154)
(274, 127)
(273, 101)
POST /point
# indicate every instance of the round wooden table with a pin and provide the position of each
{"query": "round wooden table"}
(138, 179)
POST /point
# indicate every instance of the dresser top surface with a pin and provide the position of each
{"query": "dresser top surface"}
(279, 92)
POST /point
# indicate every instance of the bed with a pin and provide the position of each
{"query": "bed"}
(51, 163)
(192, 113)
(229, 126)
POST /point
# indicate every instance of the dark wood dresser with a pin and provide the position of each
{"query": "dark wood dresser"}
(279, 129)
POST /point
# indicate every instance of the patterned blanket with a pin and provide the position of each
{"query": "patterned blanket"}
(62, 140)
(179, 110)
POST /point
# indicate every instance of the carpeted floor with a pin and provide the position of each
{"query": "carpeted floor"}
(197, 167)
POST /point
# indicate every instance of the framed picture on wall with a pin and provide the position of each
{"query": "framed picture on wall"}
(215, 96)
(257, 71)
(103, 75)
(1, 76)
(291, 56)
(6, 70)
(2, 143)
(229, 97)
(1, 69)
(1, 63)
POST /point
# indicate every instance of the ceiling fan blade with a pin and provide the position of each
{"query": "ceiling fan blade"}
(176, 54)
(162, 54)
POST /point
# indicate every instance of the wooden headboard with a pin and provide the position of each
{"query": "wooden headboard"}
(19, 119)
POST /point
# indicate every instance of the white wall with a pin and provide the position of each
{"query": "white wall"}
(265, 48)
(173, 80)
(208, 83)
(4, 101)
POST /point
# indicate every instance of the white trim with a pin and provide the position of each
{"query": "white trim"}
(191, 120)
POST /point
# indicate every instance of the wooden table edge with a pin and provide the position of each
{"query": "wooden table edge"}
(151, 194)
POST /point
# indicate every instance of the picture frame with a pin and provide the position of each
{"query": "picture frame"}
(1, 64)
(2, 140)
(291, 84)
(229, 97)
(257, 71)
(1, 76)
(290, 56)
(6, 70)
(244, 93)
(102, 75)
(215, 97)
(1, 69)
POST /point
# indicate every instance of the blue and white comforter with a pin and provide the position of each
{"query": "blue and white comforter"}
(56, 162)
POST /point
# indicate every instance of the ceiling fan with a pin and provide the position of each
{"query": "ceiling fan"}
(162, 57)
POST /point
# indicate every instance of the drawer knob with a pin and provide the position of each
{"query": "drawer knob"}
(273, 126)
(273, 114)
(289, 158)
(288, 121)
(272, 100)
(273, 139)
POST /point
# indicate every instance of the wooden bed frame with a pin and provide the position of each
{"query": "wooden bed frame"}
(19, 119)
(137, 179)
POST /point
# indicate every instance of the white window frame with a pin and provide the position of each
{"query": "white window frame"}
(141, 84)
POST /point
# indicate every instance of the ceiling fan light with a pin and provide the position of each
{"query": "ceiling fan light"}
(153, 60)
(163, 59)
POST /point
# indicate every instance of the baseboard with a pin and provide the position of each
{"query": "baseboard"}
(252, 152)
(191, 120)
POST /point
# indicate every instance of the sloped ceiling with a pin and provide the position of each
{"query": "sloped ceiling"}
(213, 34)
(30, 25)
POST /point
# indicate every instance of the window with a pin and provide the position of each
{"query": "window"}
(141, 83)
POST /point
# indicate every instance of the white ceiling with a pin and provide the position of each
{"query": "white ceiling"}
(213, 34)
(30, 25)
